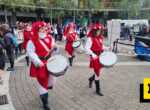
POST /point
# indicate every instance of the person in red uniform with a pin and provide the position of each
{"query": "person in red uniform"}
(27, 33)
(94, 47)
(70, 36)
(39, 49)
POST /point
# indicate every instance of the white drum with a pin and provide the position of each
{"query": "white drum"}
(108, 59)
(57, 65)
(77, 45)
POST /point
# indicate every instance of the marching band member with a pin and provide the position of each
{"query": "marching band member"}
(39, 49)
(27, 35)
(70, 36)
(94, 47)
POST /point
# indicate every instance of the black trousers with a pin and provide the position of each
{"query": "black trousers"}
(2, 62)
(10, 54)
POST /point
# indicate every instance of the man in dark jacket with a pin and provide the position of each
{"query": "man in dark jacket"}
(9, 46)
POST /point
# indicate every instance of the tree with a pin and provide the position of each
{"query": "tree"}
(131, 9)
(12, 5)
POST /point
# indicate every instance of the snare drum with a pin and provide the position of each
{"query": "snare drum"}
(57, 65)
(108, 59)
(77, 45)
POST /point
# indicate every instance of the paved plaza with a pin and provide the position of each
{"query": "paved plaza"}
(120, 86)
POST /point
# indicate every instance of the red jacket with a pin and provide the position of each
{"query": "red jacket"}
(27, 35)
(41, 73)
(97, 45)
(97, 48)
(70, 38)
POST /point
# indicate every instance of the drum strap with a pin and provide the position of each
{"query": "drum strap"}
(45, 46)
(47, 49)
(98, 42)
(46, 57)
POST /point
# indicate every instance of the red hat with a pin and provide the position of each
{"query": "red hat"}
(96, 26)
(68, 27)
(36, 26)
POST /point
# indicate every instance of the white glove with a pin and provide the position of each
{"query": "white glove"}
(39, 64)
(106, 48)
(94, 56)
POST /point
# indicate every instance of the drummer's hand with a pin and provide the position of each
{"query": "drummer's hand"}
(106, 48)
(94, 56)
(39, 65)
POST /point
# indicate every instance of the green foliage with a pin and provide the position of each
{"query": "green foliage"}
(132, 7)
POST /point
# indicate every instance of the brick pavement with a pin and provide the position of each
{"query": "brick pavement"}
(120, 86)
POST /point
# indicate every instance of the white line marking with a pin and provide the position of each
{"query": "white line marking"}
(20, 58)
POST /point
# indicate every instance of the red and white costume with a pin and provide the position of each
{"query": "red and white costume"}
(27, 34)
(70, 37)
(94, 47)
(37, 49)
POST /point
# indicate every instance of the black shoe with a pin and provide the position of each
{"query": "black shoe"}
(70, 61)
(91, 79)
(99, 93)
(44, 99)
(46, 108)
(27, 60)
(10, 69)
(50, 87)
(73, 56)
(98, 89)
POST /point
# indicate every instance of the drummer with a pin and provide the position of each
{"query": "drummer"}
(27, 34)
(94, 47)
(39, 50)
(70, 36)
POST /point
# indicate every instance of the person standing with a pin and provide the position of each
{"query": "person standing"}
(9, 44)
(2, 54)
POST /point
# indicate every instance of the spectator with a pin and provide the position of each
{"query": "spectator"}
(9, 45)
(19, 33)
(2, 55)
(55, 32)
(59, 31)
(15, 42)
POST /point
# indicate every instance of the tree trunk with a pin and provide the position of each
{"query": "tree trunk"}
(5, 14)
(13, 18)
(51, 17)
(74, 16)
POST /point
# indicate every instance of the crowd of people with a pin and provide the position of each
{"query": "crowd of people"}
(128, 32)
(13, 39)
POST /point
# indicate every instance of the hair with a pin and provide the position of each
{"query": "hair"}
(5, 28)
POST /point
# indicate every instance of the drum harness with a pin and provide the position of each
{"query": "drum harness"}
(48, 50)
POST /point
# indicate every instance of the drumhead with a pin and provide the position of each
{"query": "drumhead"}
(76, 44)
(108, 58)
(57, 64)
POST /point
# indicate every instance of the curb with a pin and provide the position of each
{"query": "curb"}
(4, 88)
